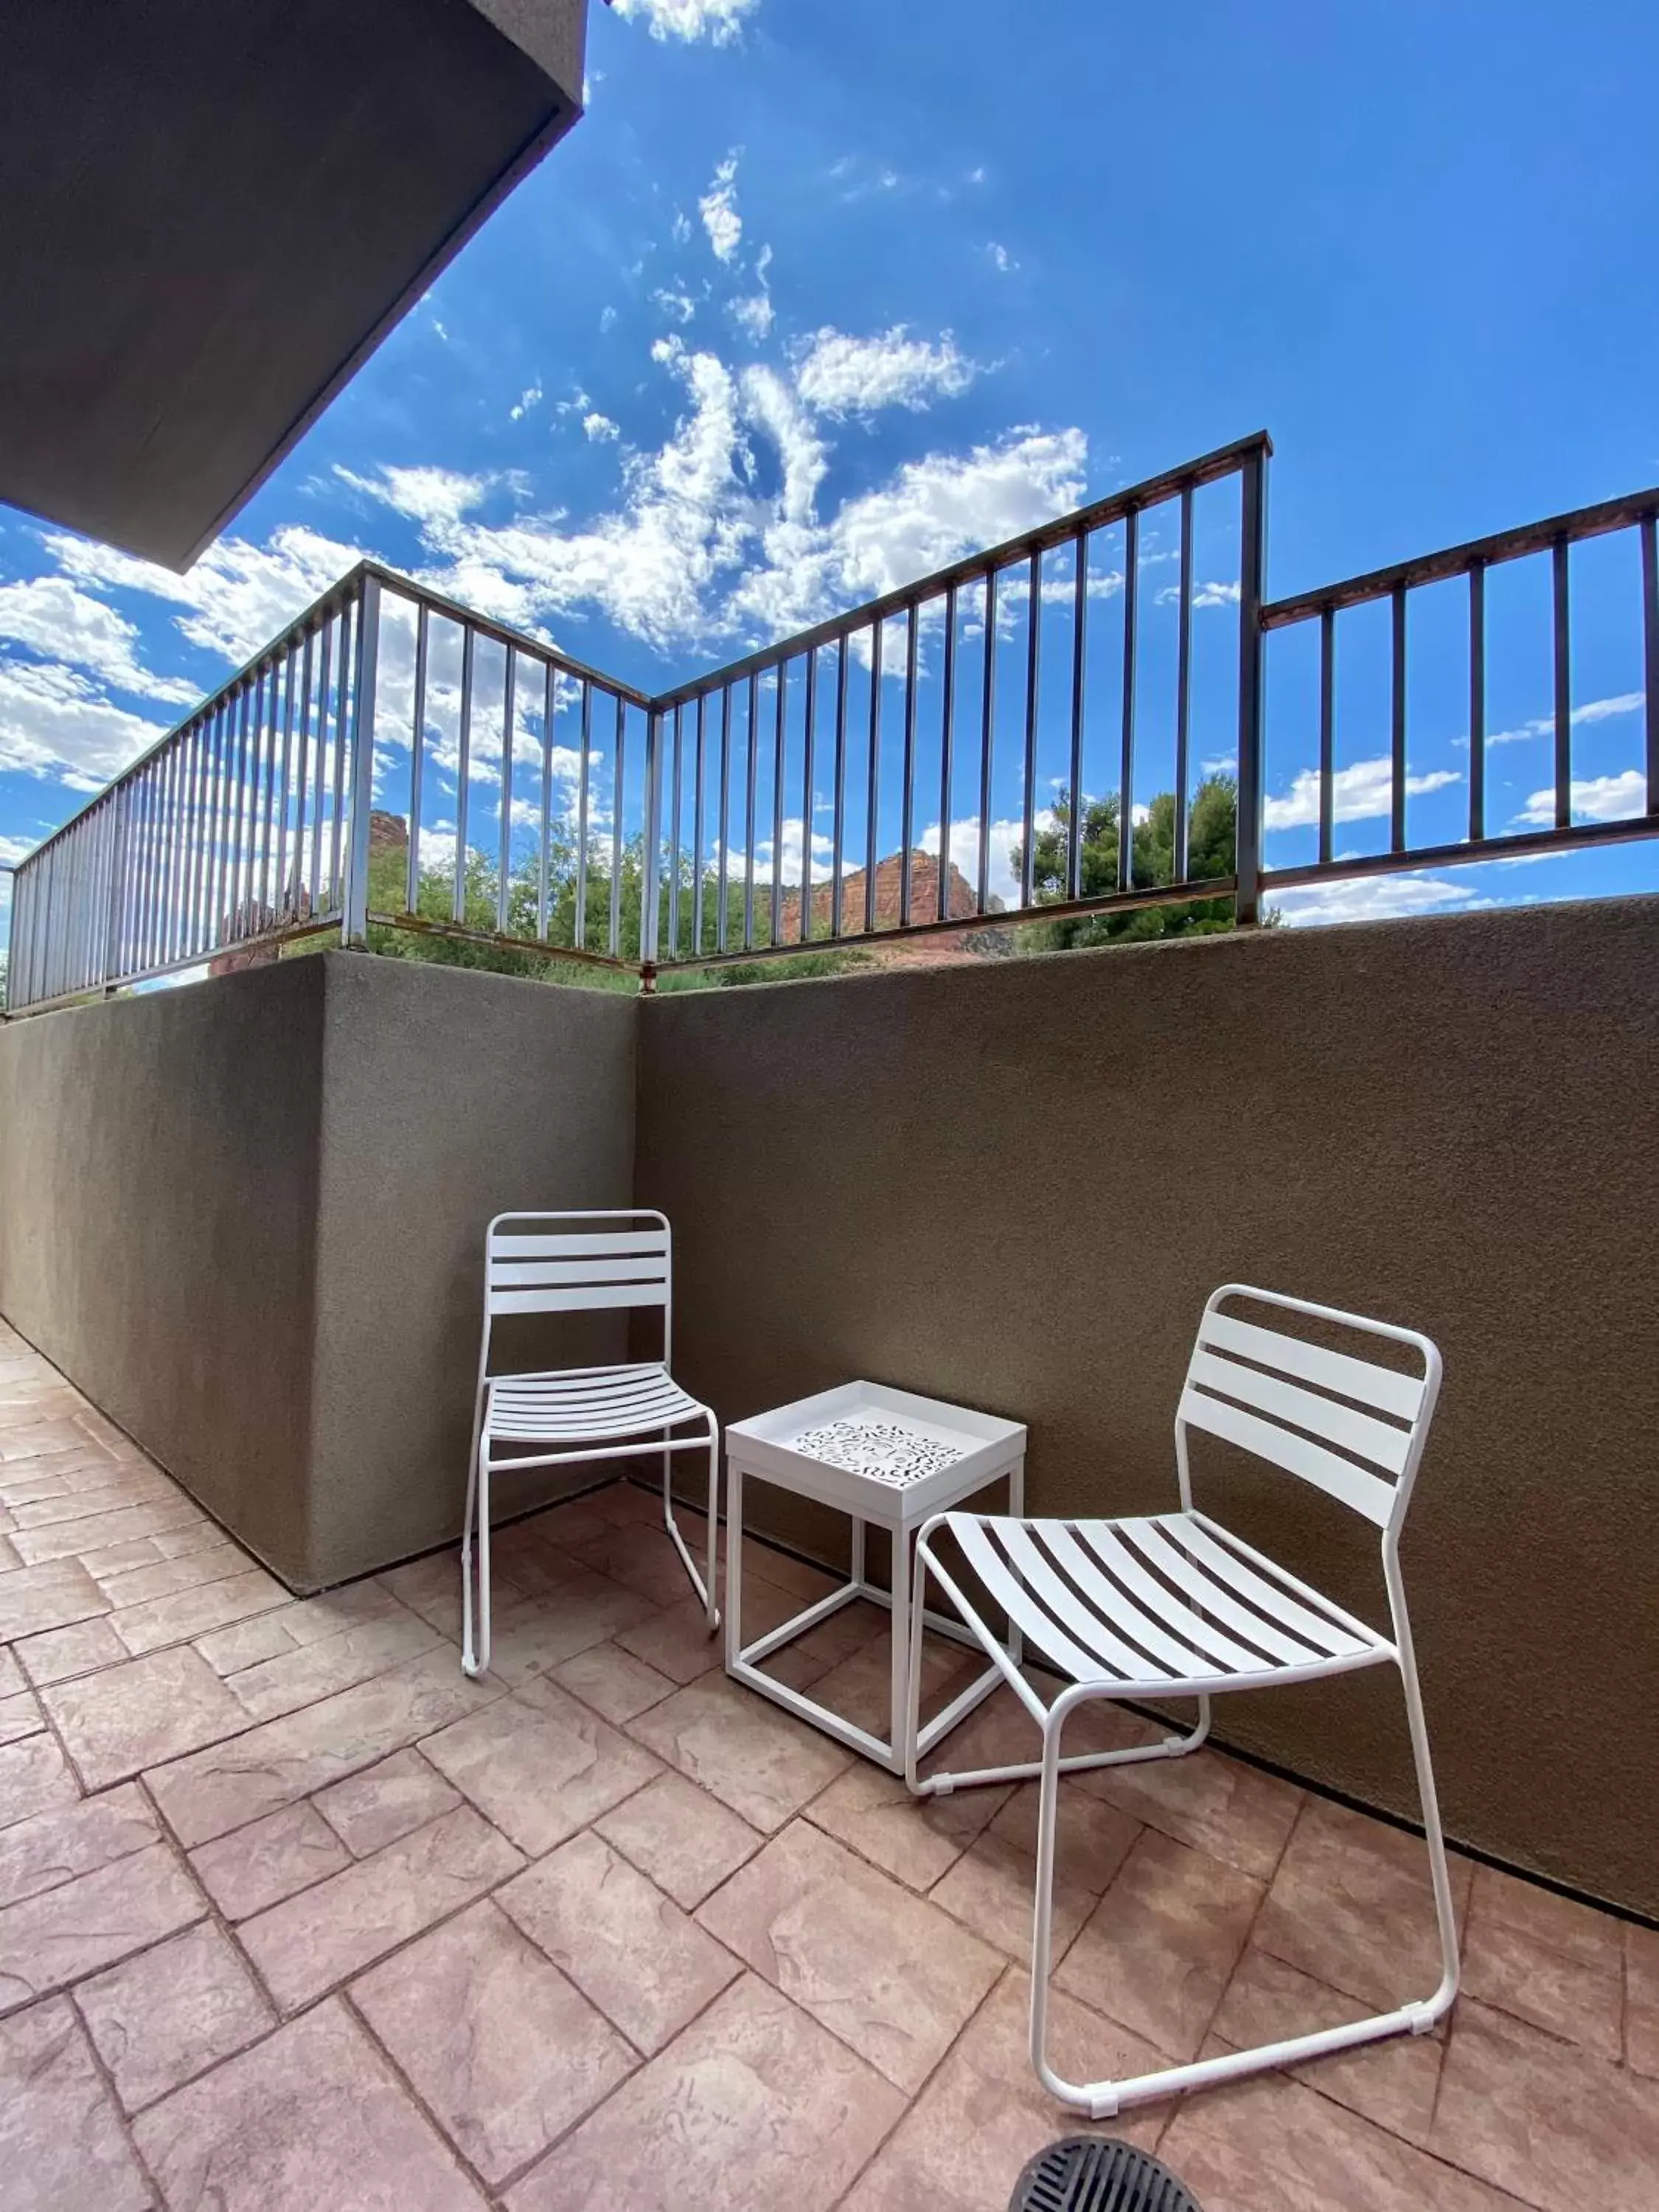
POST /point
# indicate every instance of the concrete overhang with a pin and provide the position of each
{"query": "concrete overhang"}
(211, 214)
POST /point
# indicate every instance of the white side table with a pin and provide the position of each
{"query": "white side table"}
(881, 1456)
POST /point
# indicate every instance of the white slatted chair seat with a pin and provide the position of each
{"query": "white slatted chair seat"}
(585, 1405)
(1171, 1604)
(579, 1417)
(1176, 1605)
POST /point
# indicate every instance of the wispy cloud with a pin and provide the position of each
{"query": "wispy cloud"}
(51, 617)
(1359, 792)
(840, 375)
(1375, 898)
(720, 22)
(1593, 799)
(719, 209)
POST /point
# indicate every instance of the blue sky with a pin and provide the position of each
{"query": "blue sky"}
(816, 298)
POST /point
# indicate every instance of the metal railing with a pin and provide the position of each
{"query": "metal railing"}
(1025, 736)
(1471, 565)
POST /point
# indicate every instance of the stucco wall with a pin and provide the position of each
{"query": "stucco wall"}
(158, 1212)
(449, 1096)
(1015, 1185)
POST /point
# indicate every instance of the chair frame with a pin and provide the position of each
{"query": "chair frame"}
(1101, 2100)
(482, 1463)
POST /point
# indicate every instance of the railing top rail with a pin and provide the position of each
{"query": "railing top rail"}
(519, 641)
(327, 602)
(1457, 559)
(1132, 499)
(320, 607)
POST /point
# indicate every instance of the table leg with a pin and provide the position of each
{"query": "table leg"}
(856, 1571)
(902, 1567)
(733, 1562)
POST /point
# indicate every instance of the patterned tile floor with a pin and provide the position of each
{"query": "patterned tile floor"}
(293, 1919)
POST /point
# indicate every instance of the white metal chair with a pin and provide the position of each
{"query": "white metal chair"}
(1175, 1605)
(539, 1263)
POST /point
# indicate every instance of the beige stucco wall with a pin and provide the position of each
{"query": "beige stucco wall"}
(246, 1218)
(1015, 1184)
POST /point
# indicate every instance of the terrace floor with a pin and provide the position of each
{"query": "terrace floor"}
(293, 1919)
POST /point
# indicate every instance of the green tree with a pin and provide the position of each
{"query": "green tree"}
(1212, 845)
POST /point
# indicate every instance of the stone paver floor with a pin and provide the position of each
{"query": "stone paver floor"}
(293, 1919)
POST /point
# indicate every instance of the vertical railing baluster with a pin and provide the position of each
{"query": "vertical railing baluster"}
(1477, 701)
(946, 750)
(578, 918)
(676, 808)
(1563, 663)
(1327, 730)
(1033, 671)
(268, 805)
(279, 891)
(417, 760)
(1079, 677)
(510, 715)
(873, 795)
(780, 676)
(618, 804)
(912, 640)
(1397, 725)
(1253, 528)
(343, 675)
(1126, 804)
(544, 827)
(987, 742)
(723, 868)
(752, 765)
(807, 811)
(299, 909)
(696, 826)
(462, 772)
(650, 838)
(365, 686)
(1181, 859)
(836, 918)
(1650, 535)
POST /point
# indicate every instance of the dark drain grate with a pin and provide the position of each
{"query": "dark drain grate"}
(1091, 2173)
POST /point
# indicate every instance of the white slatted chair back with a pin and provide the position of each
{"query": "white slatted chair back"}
(545, 1263)
(1351, 1427)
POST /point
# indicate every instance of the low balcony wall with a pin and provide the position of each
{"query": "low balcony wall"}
(247, 1219)
(1015, 1184)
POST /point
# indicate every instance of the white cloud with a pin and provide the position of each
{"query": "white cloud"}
(1204, 595)
(720, 22)
(1595, 799)
(53, 618)
(1003, 840)
(54, 722)
(1358, 793)
(529, 397)
(719, 209)
(599, 428)
(1375, 898)
(1001, 260)
(607, 318)
(753, 316)
(680, 229)
(1542, 726)
(676, 301)
(427, 495)
(840, 375)
(238, 596)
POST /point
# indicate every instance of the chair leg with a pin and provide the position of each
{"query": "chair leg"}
(704, 1584)
(1102, 2099)
(477, 1512)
